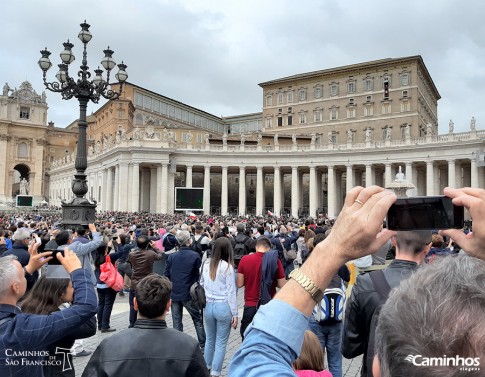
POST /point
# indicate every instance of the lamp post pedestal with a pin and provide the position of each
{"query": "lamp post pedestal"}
(74, 215)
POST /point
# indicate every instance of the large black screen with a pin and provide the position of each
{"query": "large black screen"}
(189, 199)
(24, 200)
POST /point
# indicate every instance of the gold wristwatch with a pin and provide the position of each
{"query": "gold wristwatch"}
(307, 285)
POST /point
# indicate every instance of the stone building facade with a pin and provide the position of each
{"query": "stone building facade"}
(318, 135)
(28, 145)
(146, 144)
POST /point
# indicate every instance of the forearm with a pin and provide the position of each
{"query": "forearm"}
(272, 342)
(320, 267)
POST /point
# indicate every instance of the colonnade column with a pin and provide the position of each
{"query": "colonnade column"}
(158, 195)
(171, 193)
(277, 191)
(451, 174)
(207, 189)
(331, 192)
(242, 190)
(224, 191)
(313, 191)
(429, 178)
(409, 172)
(473, 173)
(387, 174)
(188, 176)
(350, 178)
(5, 191)
(109, 190)
(164, 192)
(294, 191)
(259, 190)
(368, 175)
(153, 190)
(116, 188)
(123, 187)
(135, 191)
(104, 190)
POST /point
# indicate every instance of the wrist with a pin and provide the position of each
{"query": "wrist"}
(28, 270)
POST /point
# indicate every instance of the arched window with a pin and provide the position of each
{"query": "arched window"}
(23, 151)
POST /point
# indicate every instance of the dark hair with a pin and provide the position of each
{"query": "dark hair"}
(414, 241)
(100, 255)
(142, 242)
(122, 238)
(198, 228)
(45, 296)
(62, 237)
(80, 231)
(222, 250)
(263, 241)
(152, 295)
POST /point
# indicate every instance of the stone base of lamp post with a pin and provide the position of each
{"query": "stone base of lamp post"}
(75, 215)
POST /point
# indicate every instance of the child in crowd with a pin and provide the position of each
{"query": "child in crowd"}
(311, 361)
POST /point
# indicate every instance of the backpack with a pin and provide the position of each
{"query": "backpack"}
(240, 249)
(383, 288)
(197, 246)
(331, 308)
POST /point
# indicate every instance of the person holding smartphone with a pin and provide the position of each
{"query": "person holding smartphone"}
(20, 248)
(34, 332)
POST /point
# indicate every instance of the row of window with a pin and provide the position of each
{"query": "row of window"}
(333, 113)
(334, 89)
(176, 112)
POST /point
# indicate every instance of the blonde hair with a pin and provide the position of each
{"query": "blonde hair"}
(311, 356)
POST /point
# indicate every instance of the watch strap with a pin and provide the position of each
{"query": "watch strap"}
(307, 284)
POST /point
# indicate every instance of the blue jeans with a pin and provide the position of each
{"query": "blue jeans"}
(177, 312)
(329, 336)
(106, 299)
(217, 324)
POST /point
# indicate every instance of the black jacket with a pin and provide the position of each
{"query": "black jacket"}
(21, 251)
(148, 349)
(65, 368)
(364, 300)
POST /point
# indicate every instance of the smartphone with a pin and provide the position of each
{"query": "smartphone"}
(425, 213)
(54, 260)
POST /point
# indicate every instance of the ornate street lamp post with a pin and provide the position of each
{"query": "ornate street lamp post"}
(79, 211)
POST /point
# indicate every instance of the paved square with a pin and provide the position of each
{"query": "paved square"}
(119, 320)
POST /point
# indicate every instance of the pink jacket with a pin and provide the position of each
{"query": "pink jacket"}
(312, 373)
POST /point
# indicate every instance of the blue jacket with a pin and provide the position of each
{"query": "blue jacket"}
(289, 239)
(34, 332)
(183, 270)
(83, 251)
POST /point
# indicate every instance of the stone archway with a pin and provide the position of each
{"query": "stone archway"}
(21, 171)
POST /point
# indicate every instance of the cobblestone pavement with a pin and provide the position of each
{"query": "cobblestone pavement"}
(119, 321)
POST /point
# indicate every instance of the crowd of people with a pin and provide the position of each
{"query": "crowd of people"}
(296, 303)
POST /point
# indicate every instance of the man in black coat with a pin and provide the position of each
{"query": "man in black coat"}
(150, 348)
(411, 249)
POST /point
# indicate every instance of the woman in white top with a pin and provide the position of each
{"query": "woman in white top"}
(218, 280)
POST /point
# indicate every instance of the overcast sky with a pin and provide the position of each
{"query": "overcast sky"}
(212, 54)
